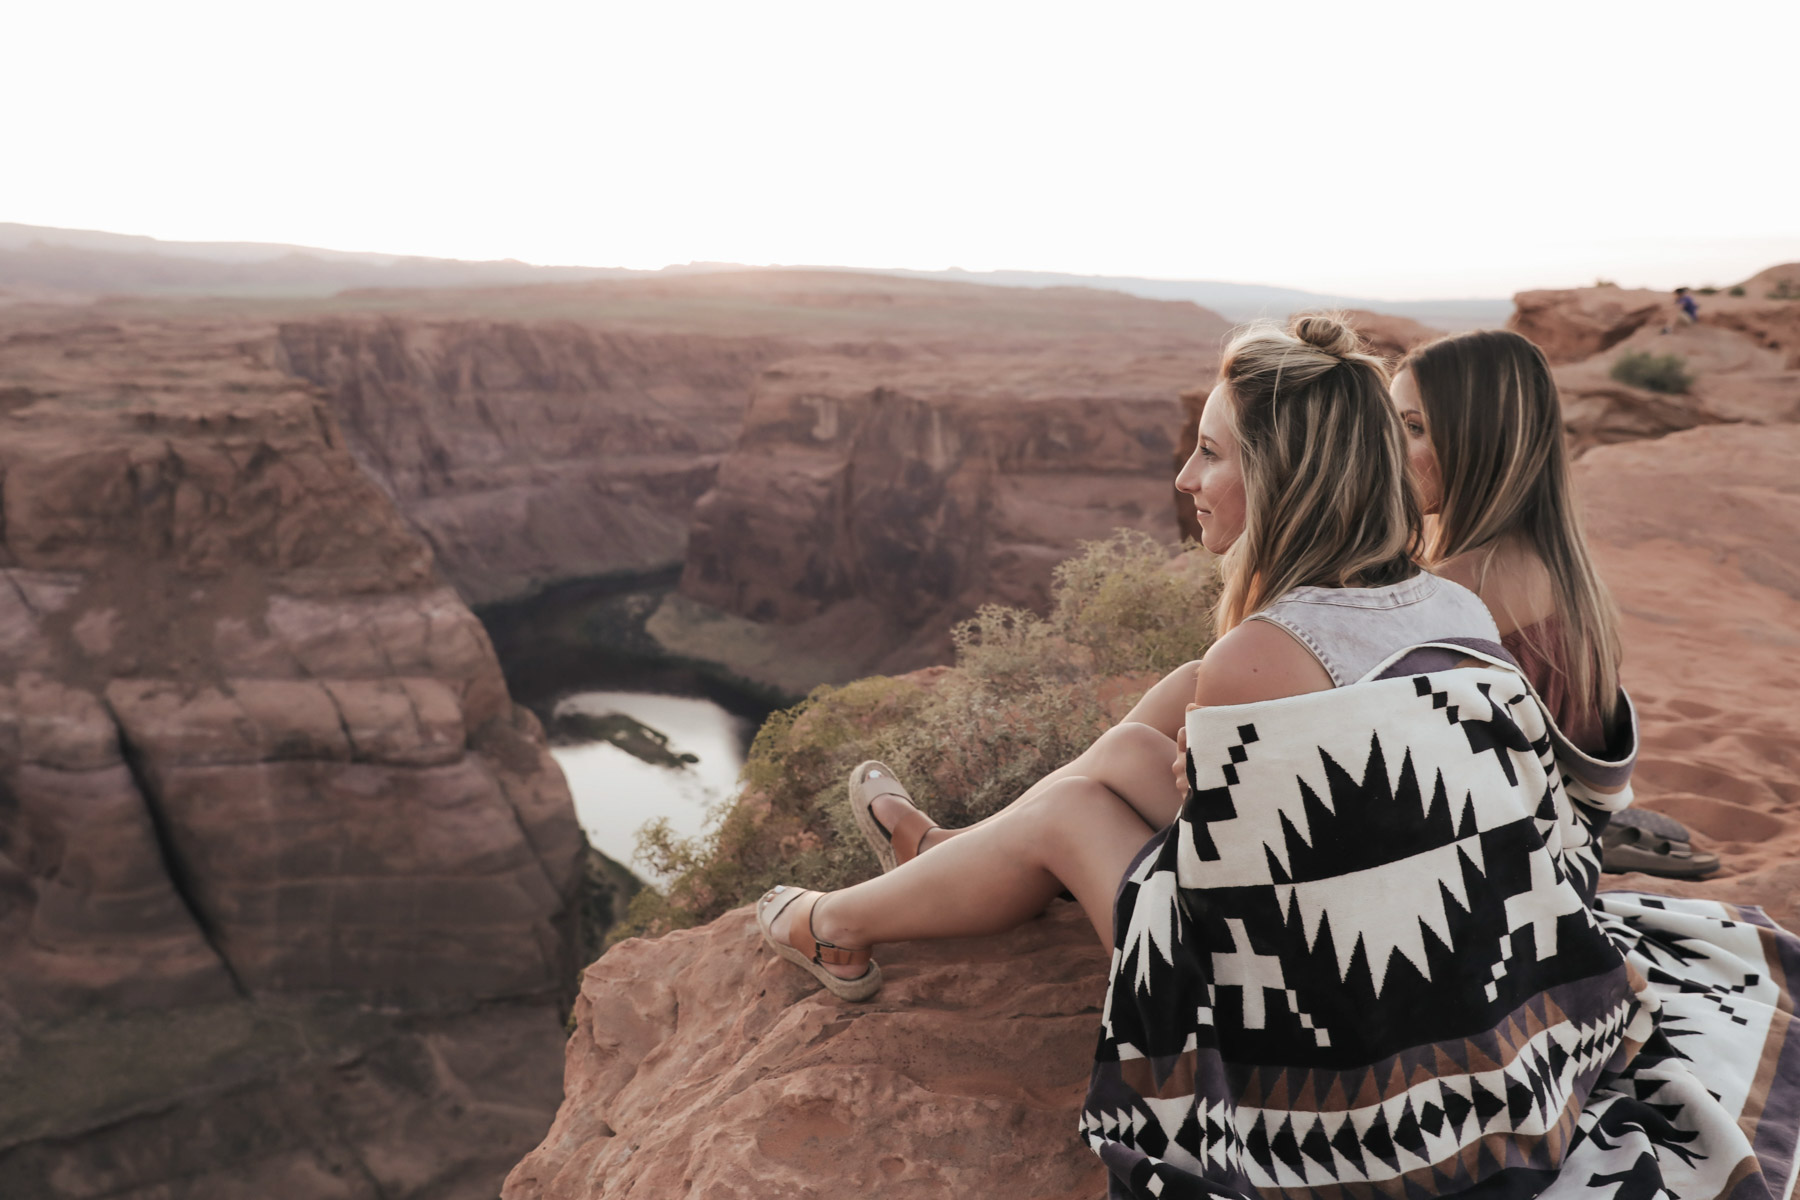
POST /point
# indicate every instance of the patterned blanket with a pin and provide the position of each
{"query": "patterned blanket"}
(1368, 960)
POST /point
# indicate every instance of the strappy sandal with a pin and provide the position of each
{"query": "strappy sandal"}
(1653, 844)
(801, 940)
(904, 842)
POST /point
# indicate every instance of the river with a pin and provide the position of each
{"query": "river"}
(616, 793)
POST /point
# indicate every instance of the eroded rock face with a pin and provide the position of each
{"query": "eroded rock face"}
(701, 1065)
(1571, 324)
(915, 492)
(254, 758)
(533, 452)
(1741, 360)
(1390, 336)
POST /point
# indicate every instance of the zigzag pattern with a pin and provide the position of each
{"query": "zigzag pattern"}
(1305, 1127)
(1373, 936)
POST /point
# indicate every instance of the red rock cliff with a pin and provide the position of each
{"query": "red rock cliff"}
(533, 452)
(286, 881)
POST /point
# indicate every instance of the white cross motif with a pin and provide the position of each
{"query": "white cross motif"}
(1548, 899)
(1245, 968)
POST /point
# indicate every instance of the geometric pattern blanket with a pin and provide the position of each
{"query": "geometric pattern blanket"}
(1368, 960)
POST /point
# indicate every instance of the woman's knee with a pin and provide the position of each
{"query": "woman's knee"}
(1129, 744)
(1069, 805)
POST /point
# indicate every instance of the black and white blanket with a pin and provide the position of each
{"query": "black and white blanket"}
(1368, 960)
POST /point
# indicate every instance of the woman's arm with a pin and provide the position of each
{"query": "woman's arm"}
(1256, 661)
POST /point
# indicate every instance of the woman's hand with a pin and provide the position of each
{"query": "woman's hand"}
(1179, 766)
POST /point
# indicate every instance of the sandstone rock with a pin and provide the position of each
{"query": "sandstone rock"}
(1734, 380)
(701, 1065)
(254, 760)
(1572, 324)
(1390, 336)
(1695, 532)
(575, 443)
(530, 453)
(936, 483)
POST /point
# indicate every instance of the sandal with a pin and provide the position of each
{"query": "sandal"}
(801, 939)
(904, 842)
(1650, 843)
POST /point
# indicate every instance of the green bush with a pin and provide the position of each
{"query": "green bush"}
(1665, 373)
(1026, 695)
(1707, 291)
(1736, 291)
(1785, 290)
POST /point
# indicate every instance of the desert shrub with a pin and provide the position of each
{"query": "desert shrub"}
(1736, 291)
(1654, 372)
(1605, 282)
(1024, 696)
(1707, 291)
(1133, 606)
(1785, 290)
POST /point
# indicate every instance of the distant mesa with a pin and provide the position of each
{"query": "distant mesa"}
(90, 262)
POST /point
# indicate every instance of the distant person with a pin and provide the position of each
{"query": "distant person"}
(1690, 308)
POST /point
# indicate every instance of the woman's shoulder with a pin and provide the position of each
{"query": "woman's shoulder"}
(1258, 660)
(1513, 583)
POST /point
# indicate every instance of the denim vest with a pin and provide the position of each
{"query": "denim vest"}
(1351, 631)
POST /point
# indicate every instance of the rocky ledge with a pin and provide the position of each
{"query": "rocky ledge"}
(701, 1065)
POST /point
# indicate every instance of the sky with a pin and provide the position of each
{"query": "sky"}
(1385, 149)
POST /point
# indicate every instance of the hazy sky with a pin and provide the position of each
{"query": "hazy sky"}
(1385, 149)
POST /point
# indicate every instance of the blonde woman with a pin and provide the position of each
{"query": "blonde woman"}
(1299, 480)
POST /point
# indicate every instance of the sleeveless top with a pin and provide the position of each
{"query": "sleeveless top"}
(1540, 652)
(1351, 631)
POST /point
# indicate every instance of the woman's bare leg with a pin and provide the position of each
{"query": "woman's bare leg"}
(993, 877)
(1131, 759)
(1164, 706)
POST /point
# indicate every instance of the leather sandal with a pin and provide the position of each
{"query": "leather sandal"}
(907, 838)
(806, 951)
(1652, 844)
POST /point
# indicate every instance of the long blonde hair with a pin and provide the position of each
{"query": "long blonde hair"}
(1495, 421)
(1327, 498)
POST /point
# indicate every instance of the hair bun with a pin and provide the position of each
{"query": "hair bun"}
(1327, 332)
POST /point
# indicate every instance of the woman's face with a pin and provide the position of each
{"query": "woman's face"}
(1214, 476)
(1419, 454)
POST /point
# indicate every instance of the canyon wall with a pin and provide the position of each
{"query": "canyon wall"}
(914, 491)
(288, 886)
(530, 452)
(941, 445)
